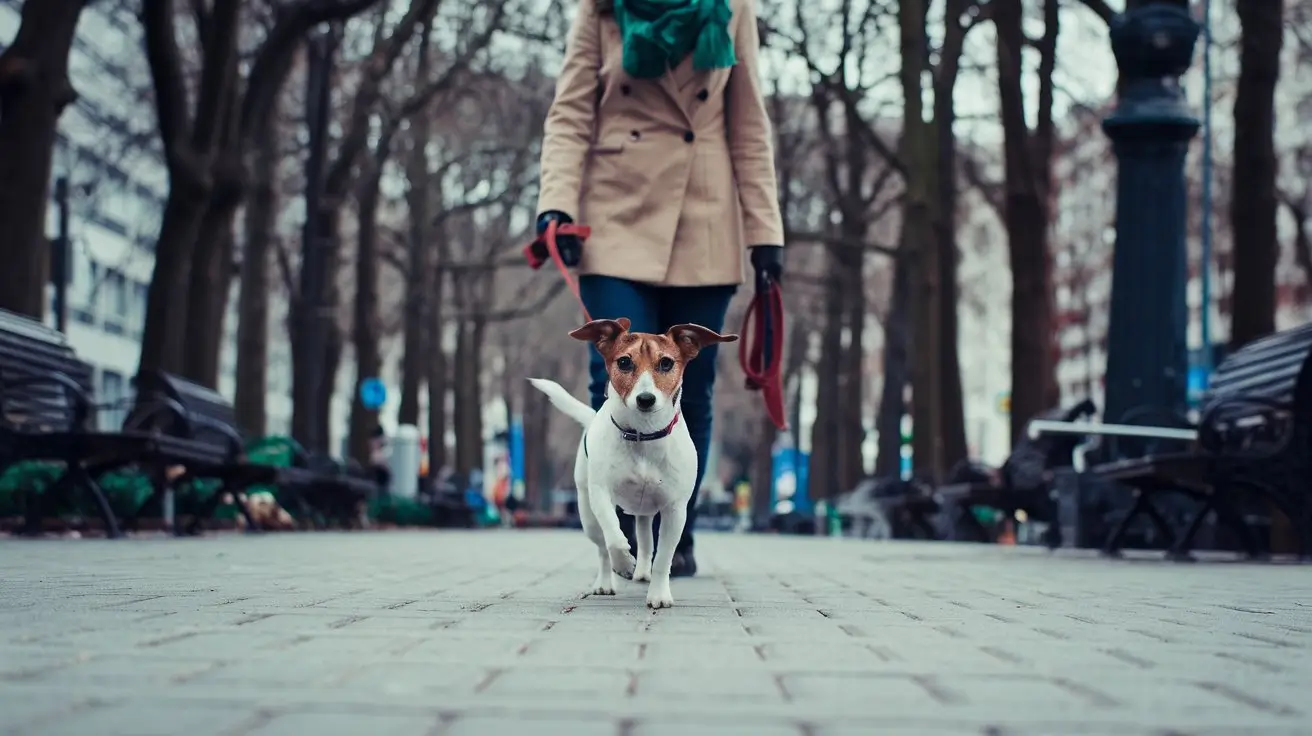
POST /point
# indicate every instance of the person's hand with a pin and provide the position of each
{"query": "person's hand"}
(768, 261)
(570, 247)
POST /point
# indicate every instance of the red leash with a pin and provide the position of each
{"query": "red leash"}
(760, 353)
(548, 241)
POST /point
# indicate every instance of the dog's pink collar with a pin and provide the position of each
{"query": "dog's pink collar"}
(632, 435)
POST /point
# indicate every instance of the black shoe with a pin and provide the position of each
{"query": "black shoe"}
(683, 565)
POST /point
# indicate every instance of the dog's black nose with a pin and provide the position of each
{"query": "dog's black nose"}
(646, 401)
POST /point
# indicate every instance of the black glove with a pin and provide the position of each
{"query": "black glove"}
(571, 249)
(768, 260)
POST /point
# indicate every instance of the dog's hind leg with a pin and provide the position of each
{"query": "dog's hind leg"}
(673, 518)
(642, 530)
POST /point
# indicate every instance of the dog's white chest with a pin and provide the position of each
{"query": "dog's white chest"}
(647, 487)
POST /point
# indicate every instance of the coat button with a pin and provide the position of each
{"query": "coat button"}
(688, 137)
(625, 89)
(703, 95)
(634, 135)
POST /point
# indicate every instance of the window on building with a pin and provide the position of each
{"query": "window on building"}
(115, 302)
(140, 297)
(113, 396)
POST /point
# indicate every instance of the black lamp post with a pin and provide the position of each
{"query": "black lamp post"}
(1152, 125)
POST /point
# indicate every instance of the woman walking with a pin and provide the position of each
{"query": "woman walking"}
(658, 139)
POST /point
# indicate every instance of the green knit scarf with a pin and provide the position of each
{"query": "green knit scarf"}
(659, 34)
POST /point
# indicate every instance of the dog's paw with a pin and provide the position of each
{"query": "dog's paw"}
(642, 576)
(658, 598)
(599, 589)
(622, 562)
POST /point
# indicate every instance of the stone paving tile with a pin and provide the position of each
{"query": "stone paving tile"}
(482, 633)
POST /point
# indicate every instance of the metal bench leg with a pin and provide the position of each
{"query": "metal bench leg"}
(1160, 522)
(1181, 550)
(1112, 547)
(39, 502)
(1230, 516)
(86, 480)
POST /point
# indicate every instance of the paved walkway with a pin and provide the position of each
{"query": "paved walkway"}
(459, 633)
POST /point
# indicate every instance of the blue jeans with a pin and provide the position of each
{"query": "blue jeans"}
(656, 309)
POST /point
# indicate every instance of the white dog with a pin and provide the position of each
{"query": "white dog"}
(635, 452)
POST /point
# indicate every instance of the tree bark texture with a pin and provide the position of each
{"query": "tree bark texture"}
(1254, 203)
(364, 319)
(892, 400)
(253, 299)
(953, 420)
(823, 476)
(417, 325)
(920, 157)
(192, 139)
(34, 90)
(1025, 212)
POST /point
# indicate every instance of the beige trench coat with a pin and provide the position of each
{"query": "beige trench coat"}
(675, 176)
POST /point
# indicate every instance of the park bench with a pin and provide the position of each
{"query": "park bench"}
(1022, 484)
(1251, 444)
(315, 486)
(46, 399)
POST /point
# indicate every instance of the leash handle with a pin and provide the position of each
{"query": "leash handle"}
(547, 241)
(761, 351)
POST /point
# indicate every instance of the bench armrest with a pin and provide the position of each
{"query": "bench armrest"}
(82, 406)
(155, 406)
(235, 444)
(1040, 427)
(1214, 441)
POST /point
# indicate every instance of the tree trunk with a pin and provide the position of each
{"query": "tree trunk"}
(953, 424)
(823, 477)
(761, 474)
(437, 368)
(34, 89)
(851, 435)
(332, 362)
(1027, 165)
(207, 295)
(892, 400)
(536, 429)
(164, 334)
(1253, 205)
(253, 300)
(364, 326)
(416, 347)
(918, 145)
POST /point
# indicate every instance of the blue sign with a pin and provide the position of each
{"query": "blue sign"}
(788, 489)
(373, 394)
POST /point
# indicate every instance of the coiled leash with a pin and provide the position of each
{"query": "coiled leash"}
(760, 353)
(545, 248)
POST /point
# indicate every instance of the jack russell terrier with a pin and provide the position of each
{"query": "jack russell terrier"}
(635, 453)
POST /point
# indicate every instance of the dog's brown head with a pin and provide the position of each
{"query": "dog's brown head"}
(645, 369)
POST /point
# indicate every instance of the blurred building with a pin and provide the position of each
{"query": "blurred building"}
(108, 151)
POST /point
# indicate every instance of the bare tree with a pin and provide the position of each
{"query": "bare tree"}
(202, 136)
(34, 90)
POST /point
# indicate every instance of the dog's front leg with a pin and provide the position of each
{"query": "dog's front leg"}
(673, 518)
(617, 547)
(642, 529)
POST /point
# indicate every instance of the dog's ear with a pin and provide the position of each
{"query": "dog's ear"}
(602, 332)
(692, 339)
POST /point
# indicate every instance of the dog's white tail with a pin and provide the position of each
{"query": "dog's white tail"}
(575, 409)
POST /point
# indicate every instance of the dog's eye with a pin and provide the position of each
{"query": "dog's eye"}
(666, 365)
(625, 363)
